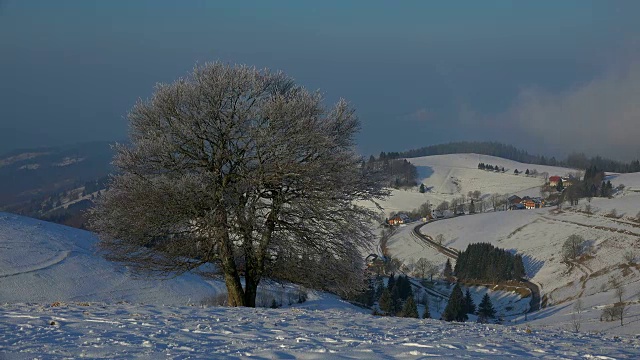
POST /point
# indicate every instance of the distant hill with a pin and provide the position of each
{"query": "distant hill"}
(36, 181)
(510, 152)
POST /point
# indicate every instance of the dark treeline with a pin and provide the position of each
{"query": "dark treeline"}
(592, 185)
(485, 262)
(399, 172)
(577, 161)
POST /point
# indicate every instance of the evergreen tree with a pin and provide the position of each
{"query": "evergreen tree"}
(396, 300)
(516, 171)
(422, 190)
(410, 309)
(404, 285)
(526, 172)
(559, 187)
(485, 309)
(472, 207)
(392, 281)
(470, 306)
(448, 270)
(385, 303)
(427, 314)
(455, 310)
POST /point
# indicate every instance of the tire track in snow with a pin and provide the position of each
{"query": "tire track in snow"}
(55, 260)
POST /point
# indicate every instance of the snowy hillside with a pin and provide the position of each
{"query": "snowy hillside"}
(450, 176)
(44, 262)
(539, 235)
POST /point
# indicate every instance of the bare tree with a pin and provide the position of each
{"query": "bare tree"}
(615, 312)
(439, 239)
(587, 209)
(421, 267)
(618, 288)
(629, 256)
(495, 201)
(424, 268)
(443, 206)
(576, 316)
(240, 172)
(572, 247)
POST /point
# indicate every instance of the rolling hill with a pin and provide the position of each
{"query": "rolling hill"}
(538, 234)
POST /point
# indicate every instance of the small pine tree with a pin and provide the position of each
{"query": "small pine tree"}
(485, 309)
(448, 270)
(410, 309)
(427, 314)
(516, 171)
(526, 172)
(385, 303)
(422, 188)
(455, 310)
(396, 300)
(472, 208)
(470, 306)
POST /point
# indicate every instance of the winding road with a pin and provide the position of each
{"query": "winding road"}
(534, 304)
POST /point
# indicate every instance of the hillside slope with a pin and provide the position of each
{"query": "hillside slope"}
(450, 176)
(45, 262)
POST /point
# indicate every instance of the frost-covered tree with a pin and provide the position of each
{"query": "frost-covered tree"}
(242, 173)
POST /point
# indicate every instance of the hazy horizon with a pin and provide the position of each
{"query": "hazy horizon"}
(549, 78)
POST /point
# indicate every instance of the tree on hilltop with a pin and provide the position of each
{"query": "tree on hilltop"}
(241, 173)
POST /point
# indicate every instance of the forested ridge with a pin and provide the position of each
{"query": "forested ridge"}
(492, 148)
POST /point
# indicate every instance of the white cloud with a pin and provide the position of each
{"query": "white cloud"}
(601, 116)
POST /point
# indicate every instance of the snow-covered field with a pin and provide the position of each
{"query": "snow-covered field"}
(450, 176)
(152, 332)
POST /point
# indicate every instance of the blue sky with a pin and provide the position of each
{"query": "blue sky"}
(541, 75)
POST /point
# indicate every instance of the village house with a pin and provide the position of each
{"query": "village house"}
(514, 202)
(399, 219)
(554, 180)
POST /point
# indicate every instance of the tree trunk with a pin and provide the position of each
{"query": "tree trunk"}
(250, 291)
(234, 290)
(235, 294)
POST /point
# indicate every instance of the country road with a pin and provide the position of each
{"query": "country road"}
(534, 304)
